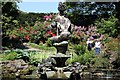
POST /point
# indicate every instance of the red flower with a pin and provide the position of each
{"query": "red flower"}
(21, 28)
(47, 24)
(53, 35)
(49, 32)
(27, 31)
(27, 37)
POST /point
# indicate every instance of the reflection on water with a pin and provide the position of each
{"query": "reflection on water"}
(101, 78)
(107, 78)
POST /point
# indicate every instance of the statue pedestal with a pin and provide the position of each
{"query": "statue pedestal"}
(60, 59)
(61, 47)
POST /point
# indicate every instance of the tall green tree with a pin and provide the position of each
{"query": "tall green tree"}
(110, 26)
(9, 15)
(85, 13)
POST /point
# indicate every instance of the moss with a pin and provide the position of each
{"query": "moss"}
(29, 76)
(9, 75)
(24, 72)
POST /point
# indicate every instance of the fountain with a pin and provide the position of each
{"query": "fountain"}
(60, 42)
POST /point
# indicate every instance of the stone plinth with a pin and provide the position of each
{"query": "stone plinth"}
(60, 59)
(61, 47)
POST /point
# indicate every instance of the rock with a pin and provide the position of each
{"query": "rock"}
(16, 68)
(43, 76)
(98, 74)
(24, 71)
(86, 74)
(75, 76)
(12, 69)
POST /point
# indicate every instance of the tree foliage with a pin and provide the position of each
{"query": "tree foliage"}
(9, 15)
(31, 18)
(110, 26)
(82, 13)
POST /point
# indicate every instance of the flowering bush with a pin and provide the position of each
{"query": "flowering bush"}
(76, 37)
(39, 33)
(25, 33)
(48, 17)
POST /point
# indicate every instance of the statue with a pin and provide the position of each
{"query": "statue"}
(60, 42)
(61, 8)
(63, 26)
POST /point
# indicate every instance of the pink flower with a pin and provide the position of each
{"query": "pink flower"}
(46, 17)
(101, 37)
(35, 32)
(31, 32)
(50, 16)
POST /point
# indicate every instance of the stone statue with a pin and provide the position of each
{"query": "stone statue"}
(61, 8)
(63, 26)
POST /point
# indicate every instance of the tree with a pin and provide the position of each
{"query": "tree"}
(9, 16)
(82, 13)
(110, 26)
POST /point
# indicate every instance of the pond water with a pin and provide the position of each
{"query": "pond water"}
(108, 75)
(105, 78)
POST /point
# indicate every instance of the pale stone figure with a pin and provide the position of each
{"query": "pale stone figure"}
(63, 27)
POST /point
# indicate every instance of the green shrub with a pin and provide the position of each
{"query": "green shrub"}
(114, 51)
(85, 58)
(79, 49)
(17, 54)
(25, 54)
(49, 43)
(34, 61)
(108, 26)
(10, 56)
(99, 62)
